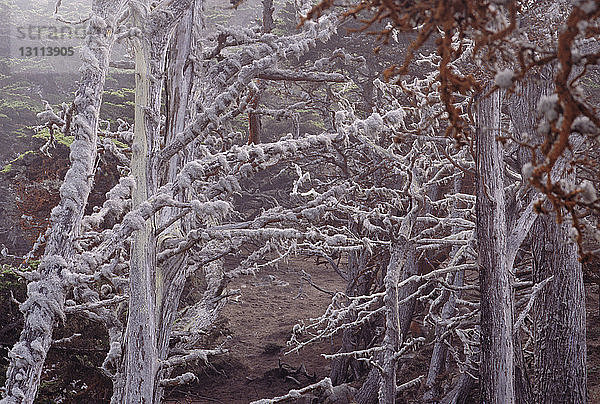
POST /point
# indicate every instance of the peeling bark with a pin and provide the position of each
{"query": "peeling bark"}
(154, 289)
(141, 351)
(497, 348)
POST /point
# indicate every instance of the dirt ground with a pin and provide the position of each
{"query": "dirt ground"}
(257, 324)
(255, 327)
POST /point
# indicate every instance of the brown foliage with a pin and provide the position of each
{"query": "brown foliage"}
(491, 25)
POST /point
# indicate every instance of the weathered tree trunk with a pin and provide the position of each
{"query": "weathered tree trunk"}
(460, 393)
(360, 280)
(267, 20)
(254, 121)
(46, 297)
(141, 339)
(399, 305)
(438, 355)
(497, 348)
(403, 258)
(151, 305)
(397, 316)
(522, 111)
(177, 92)
(559, 316)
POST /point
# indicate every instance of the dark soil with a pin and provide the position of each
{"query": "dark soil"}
(258, 324)
(254, 327)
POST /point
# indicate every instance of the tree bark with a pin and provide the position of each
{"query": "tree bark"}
(403, 259)
(177, 92)
(46, 297)
(360, 281)
(440, 349)
(151, 307)
(254, 121)
(399, 308)
(497, 348)
(267, 20)
(522, 111)
(141, 352)
(559, 316)
(559, 312)
(397, 316)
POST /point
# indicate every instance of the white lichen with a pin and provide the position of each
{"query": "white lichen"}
(527, 171)
(587, 192)
(504, 78)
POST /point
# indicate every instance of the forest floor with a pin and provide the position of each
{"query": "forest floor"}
(260, 321)
(255, 327)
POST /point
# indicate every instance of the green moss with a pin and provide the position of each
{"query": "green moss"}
(15, 104)
(318, 124)
(122, 92)
(58, 137)
(7, 168)
(22, 156)
(33, 265)
(9, 280)
(120, 145)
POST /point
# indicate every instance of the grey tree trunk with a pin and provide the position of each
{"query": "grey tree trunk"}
(559, 312)
(360, 281)
(497, 348)
(402, 265)
(141, 350)
(404, 259)
(177, 92)
(559, 316)
(440, 349)
(399, 305)
(46, 297)
(267, 20)
(148, 326)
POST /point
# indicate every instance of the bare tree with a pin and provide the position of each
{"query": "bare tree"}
(46, 294)
(392, 188)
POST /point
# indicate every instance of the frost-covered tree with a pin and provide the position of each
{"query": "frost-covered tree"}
(506, 205)
(47, 292)
(171, 216)
(423, 187)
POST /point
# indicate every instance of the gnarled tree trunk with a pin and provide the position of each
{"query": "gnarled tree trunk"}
(141, 350)
(559, 311)
(46, 296)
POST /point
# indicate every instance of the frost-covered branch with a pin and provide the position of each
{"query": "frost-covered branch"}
(324, 384)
